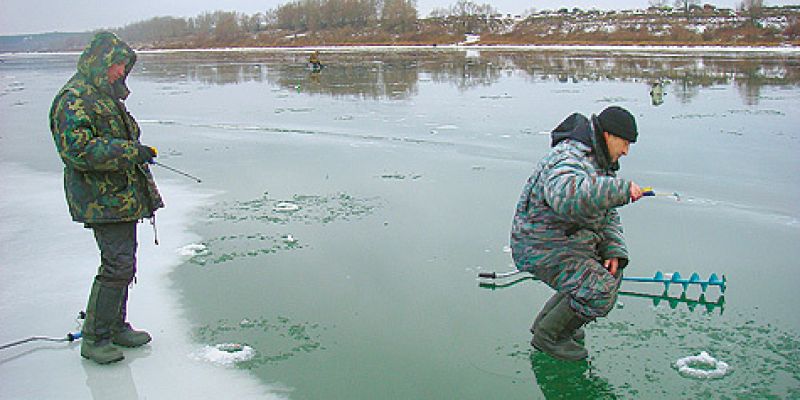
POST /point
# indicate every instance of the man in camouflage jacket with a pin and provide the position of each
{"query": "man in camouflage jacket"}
(566, 229)
(108, 185)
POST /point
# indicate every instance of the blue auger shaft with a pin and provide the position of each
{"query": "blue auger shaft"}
(659, 277)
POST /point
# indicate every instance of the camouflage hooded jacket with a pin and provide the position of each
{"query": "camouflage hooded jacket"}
(98, 140)
(567, 207)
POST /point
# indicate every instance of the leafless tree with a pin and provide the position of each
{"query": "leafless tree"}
(658, 3)
(752, 9)
(399, 15)
(686, 5)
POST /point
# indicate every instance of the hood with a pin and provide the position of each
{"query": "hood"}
(578, 127)
(105, 50)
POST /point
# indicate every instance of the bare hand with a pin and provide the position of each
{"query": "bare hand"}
(636, 192)
(611, 265)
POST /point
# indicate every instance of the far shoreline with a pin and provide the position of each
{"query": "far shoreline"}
(688, 49)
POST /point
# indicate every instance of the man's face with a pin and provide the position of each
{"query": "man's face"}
(617, 146)
(115, 72)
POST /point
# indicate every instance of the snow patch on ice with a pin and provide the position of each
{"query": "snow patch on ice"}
(702, 366)
(194, 249)
(225, 354)
(286, 207)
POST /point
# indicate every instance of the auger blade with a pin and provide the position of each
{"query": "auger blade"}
(694, 279)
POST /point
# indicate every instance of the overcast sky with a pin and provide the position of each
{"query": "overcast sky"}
(38, 16)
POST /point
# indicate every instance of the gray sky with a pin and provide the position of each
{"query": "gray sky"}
(38, 16)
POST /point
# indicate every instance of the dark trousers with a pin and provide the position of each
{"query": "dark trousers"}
(117, 244)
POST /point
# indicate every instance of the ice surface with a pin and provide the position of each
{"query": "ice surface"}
(48, 263)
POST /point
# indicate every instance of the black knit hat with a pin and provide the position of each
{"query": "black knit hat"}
(618, 122)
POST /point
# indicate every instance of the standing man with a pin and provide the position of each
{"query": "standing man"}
(566, 229)
(108, 185)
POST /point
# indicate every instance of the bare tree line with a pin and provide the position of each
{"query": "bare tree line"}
(392, 16)
(365, 21)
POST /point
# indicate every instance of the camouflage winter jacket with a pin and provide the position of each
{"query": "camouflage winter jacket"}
(98, 140)
(568, 204)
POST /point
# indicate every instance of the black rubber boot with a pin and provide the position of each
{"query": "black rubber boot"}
(101, 312)
(578, 335)
(122, 333)
(554, 333)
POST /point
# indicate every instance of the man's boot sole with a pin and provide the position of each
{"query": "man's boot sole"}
(104, 362)
(576, 337)
(543, 348)
(131, 345)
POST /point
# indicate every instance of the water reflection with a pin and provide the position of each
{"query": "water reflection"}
(397, 74)
(110, 381)
(657, 93)
(568, 379)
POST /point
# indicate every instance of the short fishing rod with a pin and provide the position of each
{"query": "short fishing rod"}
(71, 337)
(649, 192)
(177, 171)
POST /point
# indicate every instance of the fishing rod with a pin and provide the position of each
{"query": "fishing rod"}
(71, 337)
(177, 171)
(649, 192)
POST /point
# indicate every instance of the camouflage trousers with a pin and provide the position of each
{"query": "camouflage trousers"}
(592, 289)
(117, 245)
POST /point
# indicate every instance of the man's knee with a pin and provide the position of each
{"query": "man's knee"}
(117, 244)
(597, 294)
(116, 273)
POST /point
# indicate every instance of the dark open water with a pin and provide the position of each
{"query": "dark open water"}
(406, 166)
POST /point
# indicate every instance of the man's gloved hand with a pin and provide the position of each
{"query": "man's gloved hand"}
(146, 154)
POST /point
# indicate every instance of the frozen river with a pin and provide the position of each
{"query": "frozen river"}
(344, 215)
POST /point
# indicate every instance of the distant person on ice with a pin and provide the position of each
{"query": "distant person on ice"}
(108, 185)
(566, 229)
(314, 62)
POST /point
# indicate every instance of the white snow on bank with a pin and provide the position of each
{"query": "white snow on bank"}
(737, 51)
(47, 263)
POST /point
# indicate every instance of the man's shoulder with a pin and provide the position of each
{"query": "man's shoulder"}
(568, 150)
(79, 87)
(78, 92)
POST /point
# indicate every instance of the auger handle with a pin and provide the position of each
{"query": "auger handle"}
(499, 275)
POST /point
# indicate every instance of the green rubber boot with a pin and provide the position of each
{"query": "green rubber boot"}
(129, 337)
(101, 311)
(554, 333)
(578, 335)
(122, 333)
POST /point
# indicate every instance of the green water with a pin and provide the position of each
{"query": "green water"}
(403, 170)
